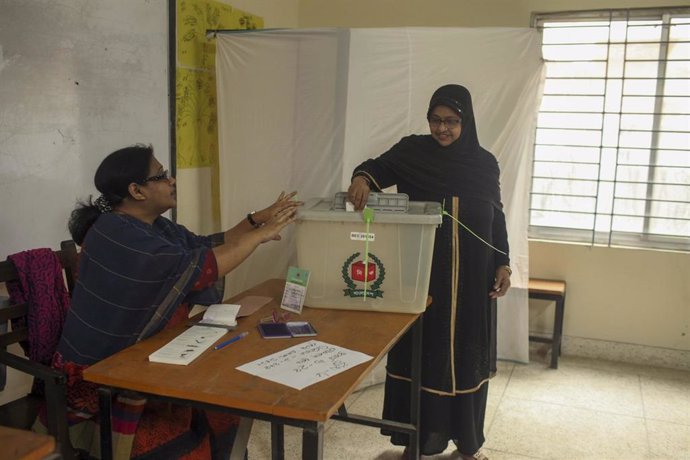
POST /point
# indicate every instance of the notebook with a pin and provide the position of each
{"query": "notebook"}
(220, 315)
(187, 346)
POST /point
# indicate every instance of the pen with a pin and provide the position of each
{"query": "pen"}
(229, 341)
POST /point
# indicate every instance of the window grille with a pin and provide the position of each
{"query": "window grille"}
(612, 146)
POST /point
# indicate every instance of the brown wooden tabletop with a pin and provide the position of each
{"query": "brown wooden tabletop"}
(212, 377)
(25, 445)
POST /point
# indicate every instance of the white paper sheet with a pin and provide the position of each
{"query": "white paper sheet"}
(187, 346)
(305, 364)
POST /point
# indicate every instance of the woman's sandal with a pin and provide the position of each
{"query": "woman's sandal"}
(476, 456)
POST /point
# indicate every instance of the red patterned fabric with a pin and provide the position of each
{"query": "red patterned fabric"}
(209, 272)
(42, 286)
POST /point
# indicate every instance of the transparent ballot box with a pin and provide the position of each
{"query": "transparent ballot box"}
(399, 240)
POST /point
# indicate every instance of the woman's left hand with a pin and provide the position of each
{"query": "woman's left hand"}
(284, 201)
(502, 283)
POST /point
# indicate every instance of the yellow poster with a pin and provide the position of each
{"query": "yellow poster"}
(195, 92)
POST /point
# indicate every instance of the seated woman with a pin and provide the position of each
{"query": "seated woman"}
(138, 274)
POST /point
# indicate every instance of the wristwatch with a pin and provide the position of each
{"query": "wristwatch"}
(508, 269)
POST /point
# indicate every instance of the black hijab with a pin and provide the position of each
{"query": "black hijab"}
(462, 168)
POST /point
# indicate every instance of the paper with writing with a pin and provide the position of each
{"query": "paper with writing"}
(305, 364)
(187, 346)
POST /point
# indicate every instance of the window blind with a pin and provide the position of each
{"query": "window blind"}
(612, 146)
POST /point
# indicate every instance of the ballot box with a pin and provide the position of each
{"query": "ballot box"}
(378, 260)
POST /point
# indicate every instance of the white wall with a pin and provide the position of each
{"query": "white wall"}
(448, 13)
(78, 79)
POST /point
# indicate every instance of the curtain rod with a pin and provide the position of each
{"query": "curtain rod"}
(212, 33)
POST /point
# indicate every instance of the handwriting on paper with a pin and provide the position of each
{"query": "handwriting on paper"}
(305, 364)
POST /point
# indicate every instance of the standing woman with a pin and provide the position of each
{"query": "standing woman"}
(138, 273)
(448, 166)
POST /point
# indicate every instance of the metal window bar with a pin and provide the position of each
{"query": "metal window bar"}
(605, 18)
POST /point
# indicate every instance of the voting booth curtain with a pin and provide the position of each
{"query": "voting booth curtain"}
(299, 109)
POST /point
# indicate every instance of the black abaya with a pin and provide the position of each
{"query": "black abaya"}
(457, 337)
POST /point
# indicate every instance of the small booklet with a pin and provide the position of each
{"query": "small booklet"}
(286, 330)
(220, 315)
(187, 346)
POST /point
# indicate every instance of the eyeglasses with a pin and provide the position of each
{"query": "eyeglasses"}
(449, 122)
(159, 177)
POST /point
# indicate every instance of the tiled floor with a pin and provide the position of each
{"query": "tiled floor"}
(587, 409)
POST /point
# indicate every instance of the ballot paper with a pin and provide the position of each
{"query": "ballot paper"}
(187, 346)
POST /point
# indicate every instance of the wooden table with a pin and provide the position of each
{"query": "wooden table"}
(25, 445)
(211, 381)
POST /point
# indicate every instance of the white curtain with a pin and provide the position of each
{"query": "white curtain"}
(299, 109)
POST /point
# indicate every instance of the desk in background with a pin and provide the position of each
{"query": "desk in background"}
(26, 445)
(550, 290)
(212, 381)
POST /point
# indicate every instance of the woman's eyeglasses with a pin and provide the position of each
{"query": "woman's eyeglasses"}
(159, 177)
(451, 122)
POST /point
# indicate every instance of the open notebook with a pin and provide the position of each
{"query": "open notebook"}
(220, 315)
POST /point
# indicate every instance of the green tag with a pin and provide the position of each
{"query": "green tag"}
(368, 216)
(295, 289)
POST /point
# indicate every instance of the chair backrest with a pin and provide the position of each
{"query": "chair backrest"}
(17, 312)
(16, 316)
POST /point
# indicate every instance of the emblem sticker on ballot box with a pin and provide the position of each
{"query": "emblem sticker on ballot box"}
(356, 274)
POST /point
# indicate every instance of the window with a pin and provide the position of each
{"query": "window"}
(612, 146)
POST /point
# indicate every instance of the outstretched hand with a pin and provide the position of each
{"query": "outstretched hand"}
(271, 229)
(284, 201)
(277, 216)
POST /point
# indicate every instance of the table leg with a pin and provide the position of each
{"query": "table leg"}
(104, 401)
(239, 447)
(312, 442)
(415, 386)
(557, 332)
(277, 441)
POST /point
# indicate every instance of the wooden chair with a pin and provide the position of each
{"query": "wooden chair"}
(24, 410)
(550, 290)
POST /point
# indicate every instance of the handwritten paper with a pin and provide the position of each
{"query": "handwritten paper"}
(305, 364)
(187, 346)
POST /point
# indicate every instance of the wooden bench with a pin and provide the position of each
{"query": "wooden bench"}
(27, 445)
(550, 290)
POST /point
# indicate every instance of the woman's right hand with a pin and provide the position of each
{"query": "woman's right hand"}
(271, 229)
(358, 192)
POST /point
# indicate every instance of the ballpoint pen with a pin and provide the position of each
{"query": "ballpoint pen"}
(229, 341)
